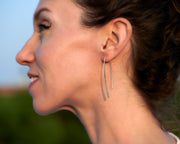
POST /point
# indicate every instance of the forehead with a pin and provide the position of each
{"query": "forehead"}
(63, 7)
(54, 3)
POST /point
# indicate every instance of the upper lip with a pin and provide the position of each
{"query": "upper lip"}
(30, 75)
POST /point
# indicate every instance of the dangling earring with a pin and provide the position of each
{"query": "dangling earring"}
(105, 77)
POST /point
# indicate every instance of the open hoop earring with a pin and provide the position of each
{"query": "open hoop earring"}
(105, 81)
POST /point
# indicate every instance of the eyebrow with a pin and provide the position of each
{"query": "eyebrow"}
(37, 14)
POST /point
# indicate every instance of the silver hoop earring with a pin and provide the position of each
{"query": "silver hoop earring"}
(105, 81)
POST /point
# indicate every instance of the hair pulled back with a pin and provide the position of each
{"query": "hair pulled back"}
(155, 44)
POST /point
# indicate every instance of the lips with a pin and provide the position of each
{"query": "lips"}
(34, 78)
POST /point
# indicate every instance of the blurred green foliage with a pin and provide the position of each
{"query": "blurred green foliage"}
(19, 124)
(169, 111)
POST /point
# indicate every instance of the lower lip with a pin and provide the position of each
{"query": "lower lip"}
(32, 83)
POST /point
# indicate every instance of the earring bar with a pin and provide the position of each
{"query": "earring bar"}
(112, 75)
(105, 79)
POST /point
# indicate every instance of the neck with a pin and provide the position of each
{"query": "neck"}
(123, 118)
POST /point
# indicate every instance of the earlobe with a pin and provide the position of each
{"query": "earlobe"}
(119, 32)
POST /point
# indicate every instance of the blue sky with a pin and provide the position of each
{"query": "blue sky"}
(16, 27)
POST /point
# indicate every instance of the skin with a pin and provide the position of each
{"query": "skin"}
(68, 59)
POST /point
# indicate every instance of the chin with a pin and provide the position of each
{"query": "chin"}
(41, 112)
(42, 109)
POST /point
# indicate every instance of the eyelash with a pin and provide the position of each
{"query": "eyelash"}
(43, 27)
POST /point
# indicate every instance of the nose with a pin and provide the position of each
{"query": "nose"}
(27, 54)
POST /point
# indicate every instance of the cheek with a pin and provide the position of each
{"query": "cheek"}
(66, 65)
(78, 61)
(67, 57)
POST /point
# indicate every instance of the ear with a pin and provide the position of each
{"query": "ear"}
(117, 34)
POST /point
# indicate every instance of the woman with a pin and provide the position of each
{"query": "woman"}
(106, 61)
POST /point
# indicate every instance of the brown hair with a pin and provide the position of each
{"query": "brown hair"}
(156, 44)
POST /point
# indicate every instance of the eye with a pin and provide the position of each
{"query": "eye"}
(44, 26)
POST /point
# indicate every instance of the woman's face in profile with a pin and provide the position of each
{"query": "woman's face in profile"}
(61, 54)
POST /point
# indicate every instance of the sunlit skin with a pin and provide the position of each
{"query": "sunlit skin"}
(61, 56)
(67, 60)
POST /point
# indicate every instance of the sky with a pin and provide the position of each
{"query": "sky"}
(16, 27)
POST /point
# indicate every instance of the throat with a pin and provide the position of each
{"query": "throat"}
(113, 124)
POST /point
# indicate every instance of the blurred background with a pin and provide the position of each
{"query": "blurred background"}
(19, 124)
